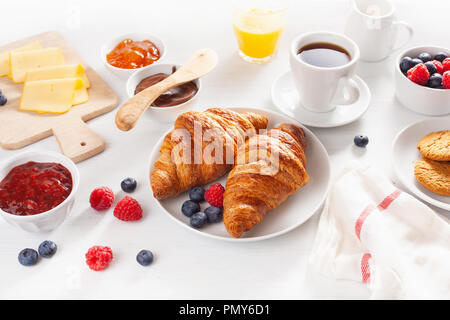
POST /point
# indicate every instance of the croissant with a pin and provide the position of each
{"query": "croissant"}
(201, 148)
(269, 168)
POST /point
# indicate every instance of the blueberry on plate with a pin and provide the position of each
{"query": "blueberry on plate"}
(28, 257)
(213, 214)
(47, 249)
(416, 61)
(197, 194)
(424, 56)
(128, 185)
(3, 100)
(406, 64)
(189, 208)
(198, 220)
(144, 257)
(431, 67)
(361, 141)
(435, 81)
(440, 56)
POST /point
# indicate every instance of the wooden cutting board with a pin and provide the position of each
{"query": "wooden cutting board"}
(76, 140)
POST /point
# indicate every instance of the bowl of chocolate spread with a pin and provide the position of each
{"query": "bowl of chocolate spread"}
(172, 102)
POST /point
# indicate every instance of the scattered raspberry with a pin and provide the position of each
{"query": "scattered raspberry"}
(439, 66)
(419, 74)
(214, 195)
(128, 209)
(101, 198)
(98, 257)
(446, 64)
(446, 80)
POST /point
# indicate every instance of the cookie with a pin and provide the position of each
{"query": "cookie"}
(435, 146)
(434, 175)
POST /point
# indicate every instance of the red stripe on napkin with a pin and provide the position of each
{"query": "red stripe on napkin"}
(365, 269)
(388, 200)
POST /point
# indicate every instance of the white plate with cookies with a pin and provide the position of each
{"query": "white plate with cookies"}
(293, 212)
(419, 156)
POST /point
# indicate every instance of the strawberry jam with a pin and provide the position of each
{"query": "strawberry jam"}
(130, 54)
(34, 187)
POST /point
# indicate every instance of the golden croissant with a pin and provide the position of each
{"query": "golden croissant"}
(201, 148)
(269, 168)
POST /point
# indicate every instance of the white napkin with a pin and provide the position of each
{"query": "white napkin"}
(370, 231)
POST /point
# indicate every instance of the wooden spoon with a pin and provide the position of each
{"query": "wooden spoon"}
(199, 64)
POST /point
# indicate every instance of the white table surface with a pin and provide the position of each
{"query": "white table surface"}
(189, 266)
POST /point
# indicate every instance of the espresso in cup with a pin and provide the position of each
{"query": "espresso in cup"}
(324, 55)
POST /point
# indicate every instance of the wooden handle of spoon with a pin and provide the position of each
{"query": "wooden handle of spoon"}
(200, 63)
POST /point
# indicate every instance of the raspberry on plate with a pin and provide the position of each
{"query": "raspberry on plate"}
(101, 198)
(419, 74)
(98, 257)
(214, 195)
(439, 66)
(446, 64)
(446, 80)
(128, 209)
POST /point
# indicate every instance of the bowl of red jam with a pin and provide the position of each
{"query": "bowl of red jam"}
(37, 190)
(130, 52)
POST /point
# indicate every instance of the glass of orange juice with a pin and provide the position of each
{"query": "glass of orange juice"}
(258, 25)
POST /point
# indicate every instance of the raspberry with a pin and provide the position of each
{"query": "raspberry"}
(419, 74)
(446, 80)
(98, 257)
(128, 209)
(446, 64)
(214, 195)
(439, 66)
(101, 198)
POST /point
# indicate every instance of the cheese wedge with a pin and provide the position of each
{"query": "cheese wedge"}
(50, 96)
(58, 72)
(4, 57)
(22, 62)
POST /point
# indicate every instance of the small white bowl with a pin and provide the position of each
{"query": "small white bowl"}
(49, 220)
(110, 45)
(164, 114)
(421, 99)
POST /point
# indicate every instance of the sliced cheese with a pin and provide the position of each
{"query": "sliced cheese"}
(4, 57)
(22, 62)
(50, 96)
(58, 72)
(80, 96)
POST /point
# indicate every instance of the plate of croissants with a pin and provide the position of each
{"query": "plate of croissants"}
(276, 172)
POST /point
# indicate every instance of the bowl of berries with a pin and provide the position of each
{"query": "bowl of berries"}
(423, 80)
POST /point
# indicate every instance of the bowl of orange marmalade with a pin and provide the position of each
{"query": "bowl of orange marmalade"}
(131, 52)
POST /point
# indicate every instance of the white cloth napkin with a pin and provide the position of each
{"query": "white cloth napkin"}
(371, 231)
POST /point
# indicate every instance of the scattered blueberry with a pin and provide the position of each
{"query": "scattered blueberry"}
(213, 214)
(440, 56)
(431, 67)
(416, 61)
(197, 194)
(3, 100)
(128, 185)
(198, 220)
(361, 141)
(47, 249)
(190, 207)
(435, 81)
(28, 257)
(424, 56)
(406, 64)
(144, 257)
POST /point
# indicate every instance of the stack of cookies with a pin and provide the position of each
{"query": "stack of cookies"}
(433, 170)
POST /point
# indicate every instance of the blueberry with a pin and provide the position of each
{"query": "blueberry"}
(197, 194)
(213, 214)
(416, 61)
(435, 81)
(406, 64)
(424, 56)
(361, 141)
(440, 56)
(128, 185)
(431, 67)
(28, 257)
(190, 207)
(3, 100)
(47, 249)
(198, 220)
(144, 257)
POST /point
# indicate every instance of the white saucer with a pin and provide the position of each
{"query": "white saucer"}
(405, 155)
(286, 99)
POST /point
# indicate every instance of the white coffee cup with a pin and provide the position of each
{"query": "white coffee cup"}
(321, 89)
(373, 26)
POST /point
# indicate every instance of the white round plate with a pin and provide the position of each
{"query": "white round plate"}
(405, 155)
(298, 208)
(286, 98)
